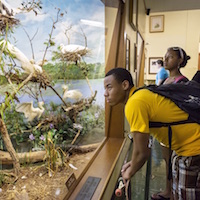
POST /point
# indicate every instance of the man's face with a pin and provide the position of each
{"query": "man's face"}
(114, 93)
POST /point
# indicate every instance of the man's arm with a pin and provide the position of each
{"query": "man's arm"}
(141, 153)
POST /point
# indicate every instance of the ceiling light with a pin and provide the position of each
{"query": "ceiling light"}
(92, 23)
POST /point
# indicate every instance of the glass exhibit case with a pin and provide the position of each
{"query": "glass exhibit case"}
(52, 105)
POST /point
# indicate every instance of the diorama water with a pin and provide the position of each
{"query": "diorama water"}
(48, 95)
(81, 85)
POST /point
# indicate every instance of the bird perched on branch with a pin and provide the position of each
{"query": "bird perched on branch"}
(29, 111)
(71, 94)
(73, 52)
(71, 48)
(26, 65)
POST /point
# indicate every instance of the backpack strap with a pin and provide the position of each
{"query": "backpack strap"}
(163, 124)
(169, 176)
(166, 124)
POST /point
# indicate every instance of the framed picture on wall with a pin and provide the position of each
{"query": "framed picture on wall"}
(133, 14)
(156, 23)
(153, 68)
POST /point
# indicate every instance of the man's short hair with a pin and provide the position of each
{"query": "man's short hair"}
(160, 62)
(121, 75)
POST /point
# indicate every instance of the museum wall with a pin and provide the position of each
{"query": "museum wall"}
(181, 28)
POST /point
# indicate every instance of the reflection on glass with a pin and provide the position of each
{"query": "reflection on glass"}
(59, 109)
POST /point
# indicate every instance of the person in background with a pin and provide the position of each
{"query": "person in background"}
(162, 73)
(175, 58)
(144, 106)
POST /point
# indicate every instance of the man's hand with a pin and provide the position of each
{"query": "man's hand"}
(126, 172)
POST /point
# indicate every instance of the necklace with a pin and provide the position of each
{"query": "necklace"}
(169, 80)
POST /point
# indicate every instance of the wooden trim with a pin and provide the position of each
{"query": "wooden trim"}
(141, 69)
(199, 62)
(116, 170)
(78, 179)
(133, 4)
(114, 117)
(140, 61)
(102, 167)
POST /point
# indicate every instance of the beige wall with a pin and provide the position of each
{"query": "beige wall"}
(141, 18)
(182, 29)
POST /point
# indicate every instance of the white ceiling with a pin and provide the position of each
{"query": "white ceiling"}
(162, 5)
(171, 5)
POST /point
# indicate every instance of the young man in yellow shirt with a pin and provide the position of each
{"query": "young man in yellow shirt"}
(144, 106)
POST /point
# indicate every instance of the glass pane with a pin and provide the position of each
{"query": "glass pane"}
(158, 170)
(56, 118)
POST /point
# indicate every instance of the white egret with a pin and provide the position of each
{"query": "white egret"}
(71, 94)
(26, 65)
(29, 111)
(71, 48)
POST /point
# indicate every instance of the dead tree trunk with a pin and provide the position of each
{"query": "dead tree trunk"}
(9, 146)
(4, 131)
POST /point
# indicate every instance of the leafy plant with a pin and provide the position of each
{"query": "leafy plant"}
(93, 117)
(16, 126)
(58, 123)
(54, 156)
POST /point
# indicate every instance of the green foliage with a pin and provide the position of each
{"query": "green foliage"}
(54, 106)
(54, 156)
(59, 122)
(91, 118)
(53, 119)
(72, 71)
(16, 126)
(60, 125)
(3, 80)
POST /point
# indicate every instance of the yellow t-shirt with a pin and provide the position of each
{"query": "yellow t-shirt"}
(145, 106)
